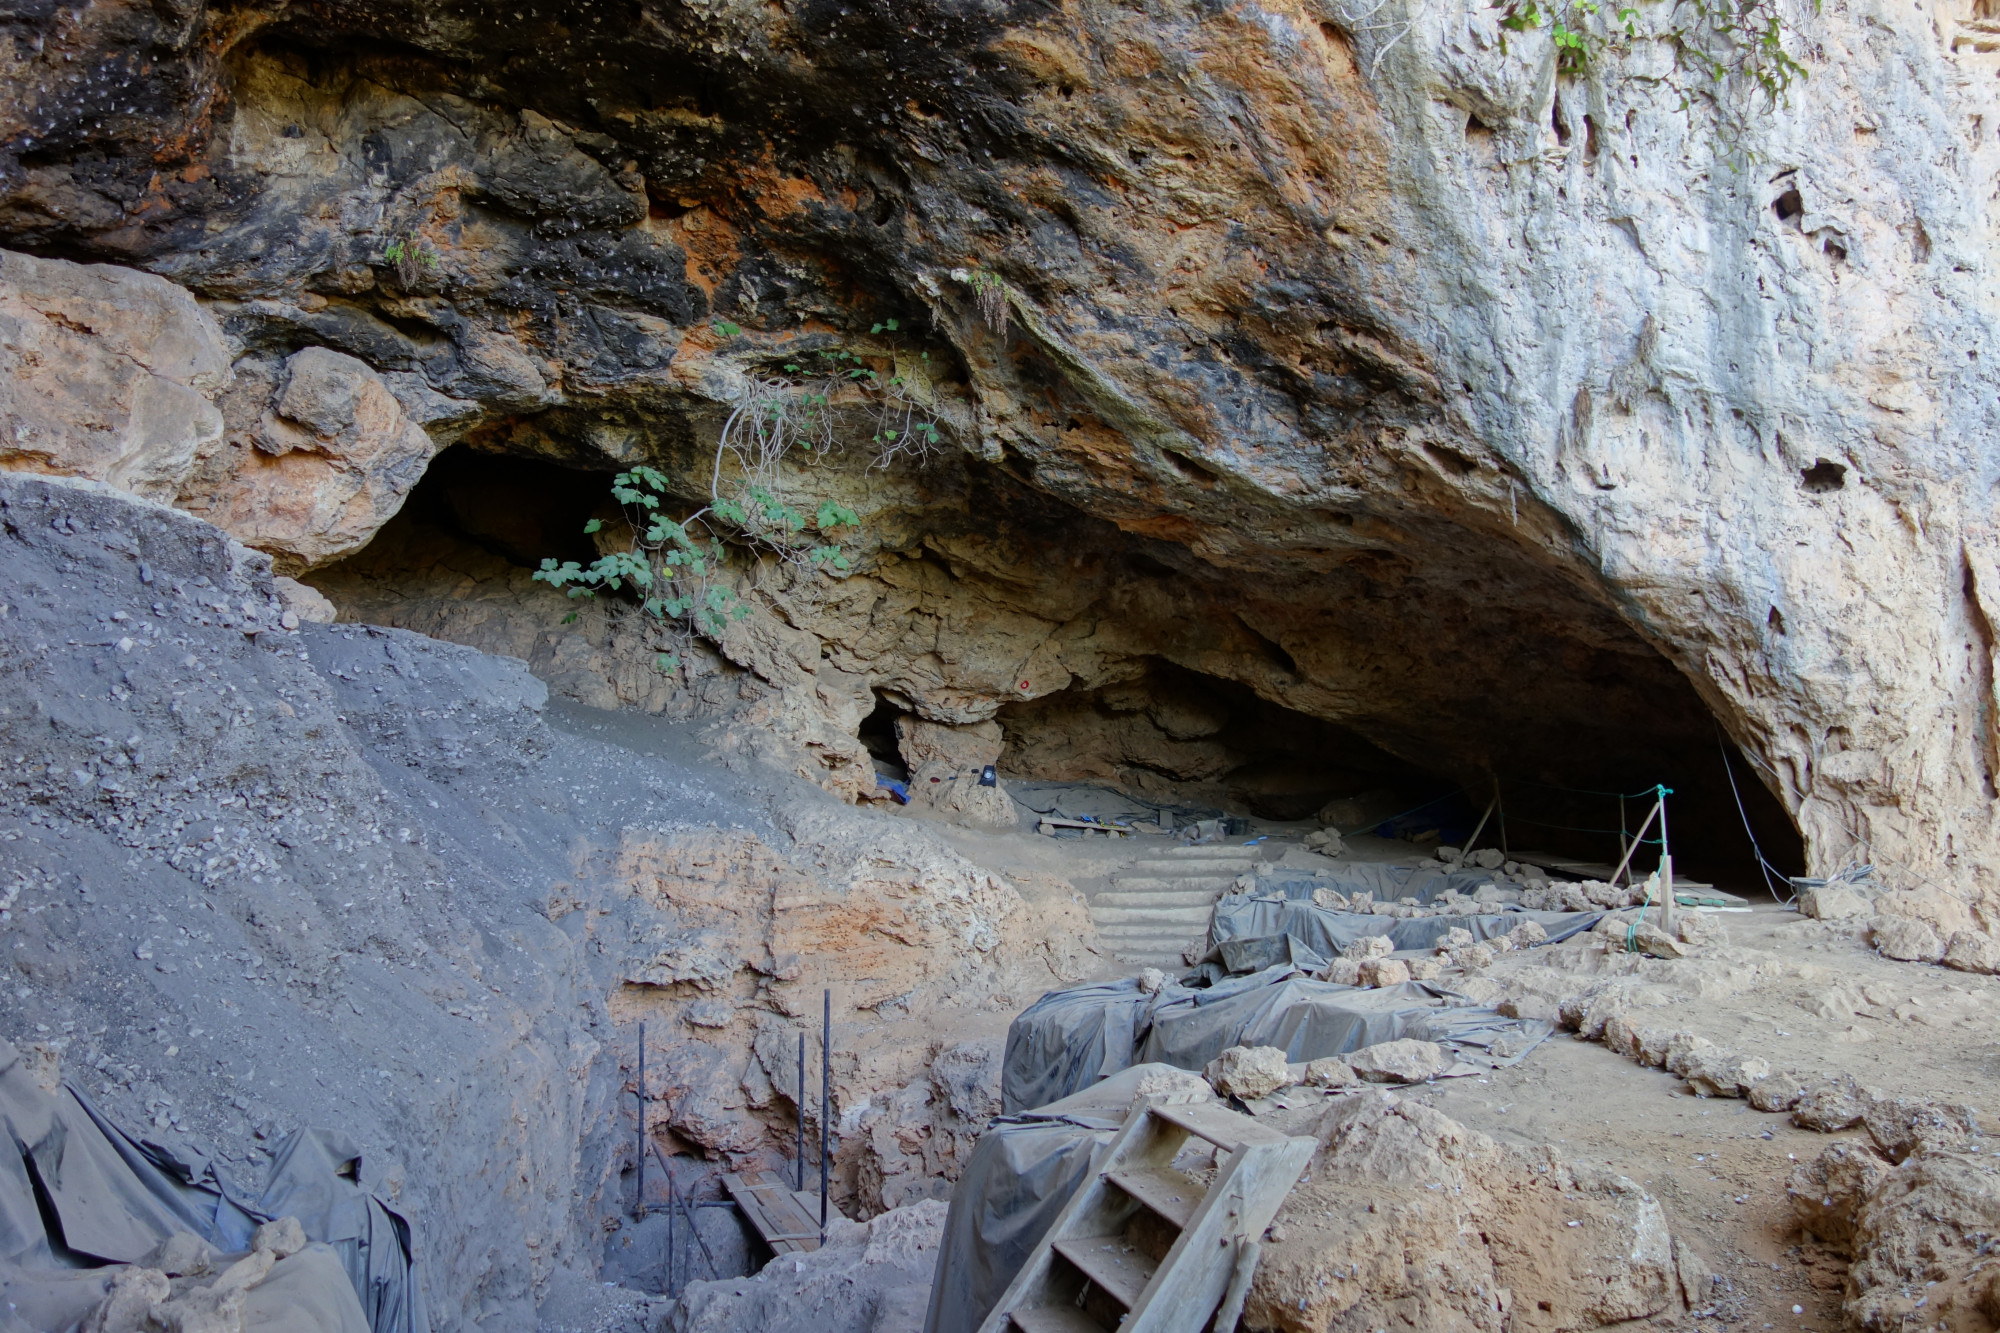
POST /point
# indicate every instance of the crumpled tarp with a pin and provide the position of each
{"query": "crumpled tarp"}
(1187, 1027)
(1022, 1171)
(1325, 932)
(112, 1199)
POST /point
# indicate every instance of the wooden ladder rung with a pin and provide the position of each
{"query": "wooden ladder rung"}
(1119, 1269)
(1055, 1319)
(1166, 1191)
(1225, 1129)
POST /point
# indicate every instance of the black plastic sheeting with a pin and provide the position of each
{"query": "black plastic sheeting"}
(78, 1195)
(1325, 932)
(1069, 1039)
(1022, 1171)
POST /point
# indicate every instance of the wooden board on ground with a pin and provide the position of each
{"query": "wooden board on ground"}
(1050, 824)
(777, 1212)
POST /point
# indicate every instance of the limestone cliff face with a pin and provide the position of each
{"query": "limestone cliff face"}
(1512, 423)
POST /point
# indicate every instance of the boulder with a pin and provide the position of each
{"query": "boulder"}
(1901, 1126)
(106, 373)
(1833, 902)
(328, 459)
(1409, 1220)
(1529, 933)
(1828, 1105)
(1402, 1061)
(1326, 842)
(1682, 1048)
(1922, 1246)
(1972, 951)
(1248, 1072)
(1655, 942)
(1384, 972)
(1489, 858)
(1779, 1092)
(1368, 946)
(1329, 1072)
(1425, 969)
(1720, 1073)
(1827, 1192)
(1533, 1007)
(1905, 938)
(1342, 972)
(1331, 899)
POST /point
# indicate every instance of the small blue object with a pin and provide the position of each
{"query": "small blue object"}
(895, 789)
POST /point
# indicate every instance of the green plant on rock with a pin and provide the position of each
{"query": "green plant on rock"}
(1718, 40)
(413, 259)
(671, 570)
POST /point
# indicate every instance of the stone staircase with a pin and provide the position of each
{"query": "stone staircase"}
(1158, 905)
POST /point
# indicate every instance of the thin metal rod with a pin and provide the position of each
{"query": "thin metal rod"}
(639, 1201)
(1501, 806)
(707, 1259)
(670, 1238)
(799, 1157)
(825, 1097)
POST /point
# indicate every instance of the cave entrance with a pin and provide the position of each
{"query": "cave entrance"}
(1184, 739)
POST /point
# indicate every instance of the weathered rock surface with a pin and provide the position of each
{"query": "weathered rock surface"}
(1922, 1246)
(1249, 1072)
(1409, 1219)
(1369, 317)
(1405, 1060)
(106, 373)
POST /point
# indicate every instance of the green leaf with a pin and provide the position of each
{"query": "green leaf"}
(595, 525)
(728, 330)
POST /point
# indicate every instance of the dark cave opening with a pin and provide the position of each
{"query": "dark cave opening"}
(1438, 707)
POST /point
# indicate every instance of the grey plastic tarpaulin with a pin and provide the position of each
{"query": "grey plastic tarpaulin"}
(1279, 1006)
(1022, 1171)
(112, 1199)
(1069, 1039)
(1324, 931)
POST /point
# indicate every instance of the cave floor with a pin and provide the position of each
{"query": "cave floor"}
(1806, 995)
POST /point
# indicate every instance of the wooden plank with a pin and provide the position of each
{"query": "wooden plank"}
(1055, 1319)
(776, 1216)
(1224, 1128)
(1051, 822)
(1196, 1273)
(1120, 1270)
(1164, 1190)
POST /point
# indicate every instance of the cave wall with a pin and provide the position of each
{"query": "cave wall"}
(1464, 406)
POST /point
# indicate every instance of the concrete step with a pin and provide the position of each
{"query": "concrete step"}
(1143, 932)
(1193, 917)
(1219, 853)
(1157, 883)
(1115, 897)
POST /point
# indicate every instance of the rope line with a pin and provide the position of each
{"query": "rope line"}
(1763, 865)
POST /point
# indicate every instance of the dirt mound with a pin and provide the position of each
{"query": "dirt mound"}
(1408, 1219)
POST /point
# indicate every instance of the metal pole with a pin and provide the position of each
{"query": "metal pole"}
(670, 1236)
(1501, 806)
(639, 1202)
(799, 1157)
(1666, 871)
(825, 1097)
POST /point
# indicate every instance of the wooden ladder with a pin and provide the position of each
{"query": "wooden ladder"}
(1143, 1248)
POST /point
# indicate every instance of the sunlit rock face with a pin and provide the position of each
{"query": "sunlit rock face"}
(1513, 424)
